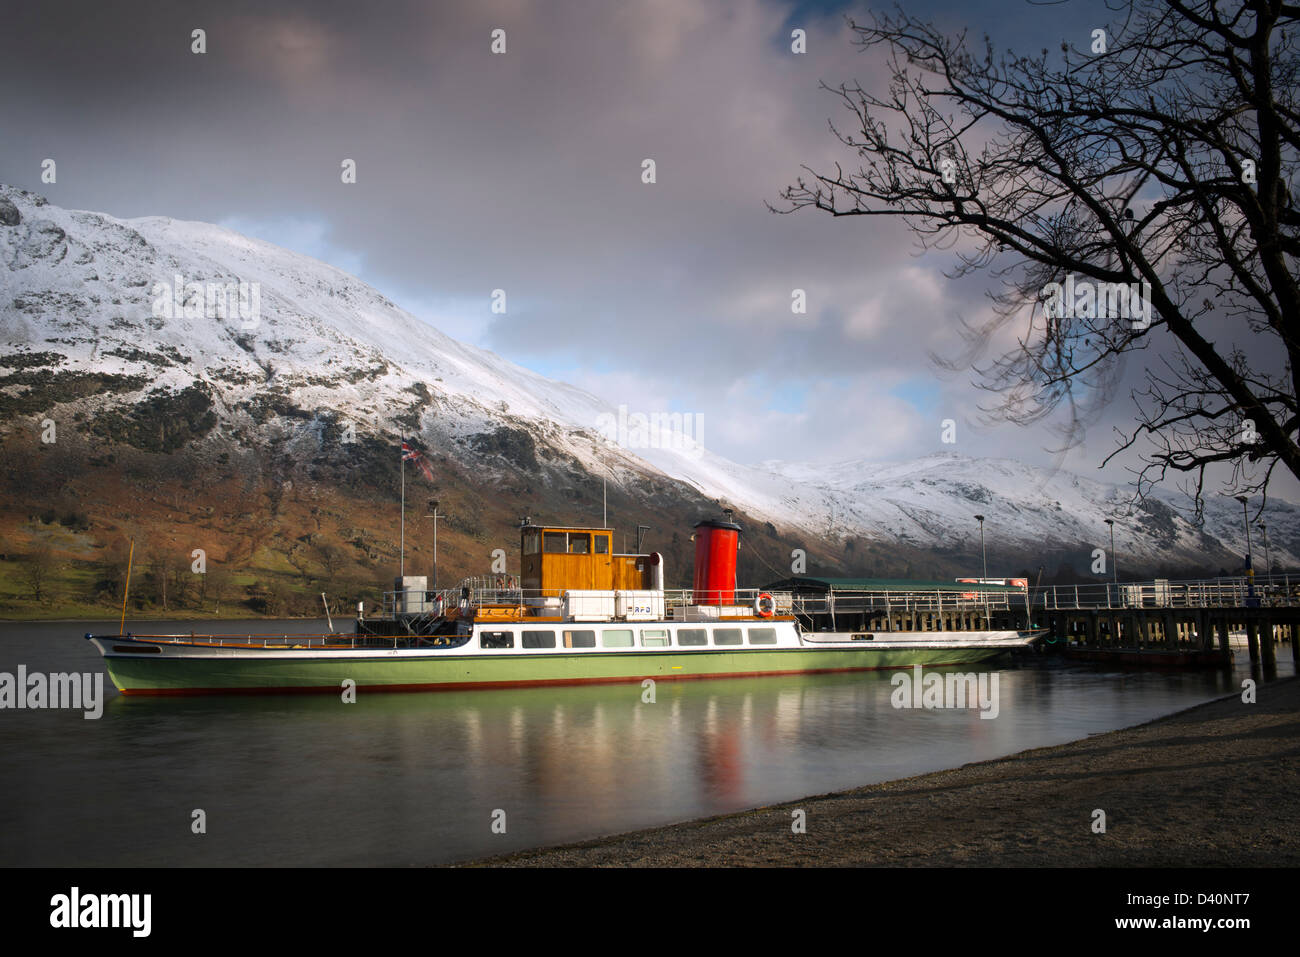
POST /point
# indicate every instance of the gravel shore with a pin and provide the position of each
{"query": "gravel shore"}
(1215, 785)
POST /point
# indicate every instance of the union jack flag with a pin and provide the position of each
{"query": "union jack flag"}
(411, 454)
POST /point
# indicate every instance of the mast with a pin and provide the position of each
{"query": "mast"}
(121, 628)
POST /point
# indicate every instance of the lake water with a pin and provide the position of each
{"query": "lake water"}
(418, 779)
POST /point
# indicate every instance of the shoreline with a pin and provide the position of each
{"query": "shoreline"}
(1214, 785)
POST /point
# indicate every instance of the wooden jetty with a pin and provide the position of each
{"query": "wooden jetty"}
(1172, 623)
(1159, 623)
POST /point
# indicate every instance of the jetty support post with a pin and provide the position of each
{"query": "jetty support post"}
(1266, 647)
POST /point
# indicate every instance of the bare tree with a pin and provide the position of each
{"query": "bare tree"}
(39, 568)
(1153, 166)
(217, 583)
(330, 559)
(113, 571)
(183, 580)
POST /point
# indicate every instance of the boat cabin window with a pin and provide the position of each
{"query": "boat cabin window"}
(538, 639)
(762, 636)
(496, 639)
(692, 636)
(532, 543)
(654, 638)
(554, 542)
(727, 636)
(602, 544)
(579, 544)
(579, 639)
(616, 638)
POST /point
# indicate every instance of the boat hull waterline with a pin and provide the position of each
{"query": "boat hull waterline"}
(176, 668)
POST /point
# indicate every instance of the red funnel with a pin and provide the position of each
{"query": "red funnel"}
(715, 562)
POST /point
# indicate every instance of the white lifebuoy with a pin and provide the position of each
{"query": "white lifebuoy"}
(764, 605)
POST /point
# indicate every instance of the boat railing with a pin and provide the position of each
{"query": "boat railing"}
(745, 600)
(258, 640)
(504, 591)
(907, 601)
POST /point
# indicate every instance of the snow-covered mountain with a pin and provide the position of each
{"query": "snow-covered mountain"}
(98, 313)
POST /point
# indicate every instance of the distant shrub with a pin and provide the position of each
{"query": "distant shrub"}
(75, 520)
(164, 421)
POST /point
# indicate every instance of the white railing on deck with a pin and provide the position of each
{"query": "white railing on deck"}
(247, 641)
(884, 601)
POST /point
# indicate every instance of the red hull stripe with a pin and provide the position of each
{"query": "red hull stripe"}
(488, 685)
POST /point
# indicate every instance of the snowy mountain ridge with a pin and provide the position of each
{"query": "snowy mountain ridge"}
(84, 286)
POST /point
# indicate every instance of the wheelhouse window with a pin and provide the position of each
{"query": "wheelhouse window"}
(579, 544)
(497, 639)
(616, 638)
(532, 543)
(580, 639)
(554, 542)
(692, 636)
(602, 544)
(727, 636)
(654, 638)
(762, 636)
(538, 639)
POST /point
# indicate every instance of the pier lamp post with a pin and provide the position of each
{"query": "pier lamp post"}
(1114, 569)
(1268, 553)
(433, 507)
(984, 555)
(1250, 569)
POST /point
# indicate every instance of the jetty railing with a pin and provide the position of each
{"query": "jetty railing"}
(1234, 592)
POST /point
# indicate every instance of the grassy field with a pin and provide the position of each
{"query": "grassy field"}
(73, 590)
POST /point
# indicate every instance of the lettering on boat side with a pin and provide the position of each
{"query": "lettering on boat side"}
(75, 909)
(936, 691)
(59, 690)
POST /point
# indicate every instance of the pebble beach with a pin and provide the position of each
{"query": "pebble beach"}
(1212, 786)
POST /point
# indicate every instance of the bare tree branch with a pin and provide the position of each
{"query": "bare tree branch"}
(1163, 162)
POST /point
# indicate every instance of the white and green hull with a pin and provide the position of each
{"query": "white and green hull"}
(139, 665)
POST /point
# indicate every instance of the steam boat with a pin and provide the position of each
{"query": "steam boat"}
(578, 613)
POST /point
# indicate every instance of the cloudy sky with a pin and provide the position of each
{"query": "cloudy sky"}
(522, 172)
